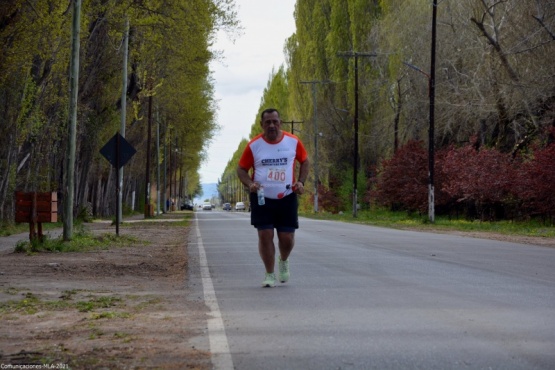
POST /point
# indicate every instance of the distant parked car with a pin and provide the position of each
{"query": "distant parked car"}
(186, 206)
(207, 206)
(227, 207)
(239, 206)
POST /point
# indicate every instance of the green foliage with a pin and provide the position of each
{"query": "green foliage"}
(169, 56)
(483, 86)
(275, 96)
(498, 87)
(10, 228)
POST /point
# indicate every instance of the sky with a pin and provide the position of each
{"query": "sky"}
(242, 75)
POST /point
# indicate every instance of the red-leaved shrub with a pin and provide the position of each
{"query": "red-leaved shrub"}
(481, 179)
(403, 179)
(534, 184)
(328, 200)
(482, 183)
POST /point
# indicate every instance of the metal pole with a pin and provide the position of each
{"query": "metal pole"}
(123, 110)
(431, 200)
(355, 160)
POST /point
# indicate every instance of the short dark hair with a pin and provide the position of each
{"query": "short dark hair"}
(268, 110)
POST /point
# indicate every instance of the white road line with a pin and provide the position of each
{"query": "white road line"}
(221, 357)
(219, 219)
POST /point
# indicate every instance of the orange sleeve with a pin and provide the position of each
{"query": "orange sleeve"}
(247, 159)
(302, 155)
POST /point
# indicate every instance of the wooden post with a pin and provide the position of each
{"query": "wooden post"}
(36, 208)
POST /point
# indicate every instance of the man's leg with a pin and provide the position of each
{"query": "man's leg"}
(267, 249)
(286, 244)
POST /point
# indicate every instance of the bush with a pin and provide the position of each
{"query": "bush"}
(534, 184)
(480, 183)
(403, 179)
(328, 200)
(479, 179)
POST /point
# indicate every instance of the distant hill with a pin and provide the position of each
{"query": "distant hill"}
(209, 191)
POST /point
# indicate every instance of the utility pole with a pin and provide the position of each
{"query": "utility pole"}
(431, 94)
(431, 160)
(292, 125)
(356, 55)
(431, 129)
(315, 122)
(72, 132)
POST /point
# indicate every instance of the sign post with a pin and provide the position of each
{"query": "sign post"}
(118, 152)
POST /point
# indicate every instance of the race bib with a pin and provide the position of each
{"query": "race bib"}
(276, 174)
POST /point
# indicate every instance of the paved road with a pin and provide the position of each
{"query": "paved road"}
(362, 297)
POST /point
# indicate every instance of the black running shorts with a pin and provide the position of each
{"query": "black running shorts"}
(281, 214)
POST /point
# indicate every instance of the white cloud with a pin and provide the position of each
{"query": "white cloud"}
(242, 76)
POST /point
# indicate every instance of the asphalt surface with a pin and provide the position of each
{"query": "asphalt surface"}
(362, 297)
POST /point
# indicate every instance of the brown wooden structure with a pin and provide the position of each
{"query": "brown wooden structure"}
(36, 208)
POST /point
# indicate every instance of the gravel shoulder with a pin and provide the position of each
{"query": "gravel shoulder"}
(124, 307)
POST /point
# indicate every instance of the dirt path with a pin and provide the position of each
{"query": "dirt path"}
(122, 308)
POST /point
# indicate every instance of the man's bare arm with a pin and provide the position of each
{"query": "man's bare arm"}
(303, 175)
(245, 178)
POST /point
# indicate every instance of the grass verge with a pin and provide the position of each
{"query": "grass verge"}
(82, 241)
(403, 220)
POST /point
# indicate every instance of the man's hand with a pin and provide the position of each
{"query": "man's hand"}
(298, 188)
(253, 187)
